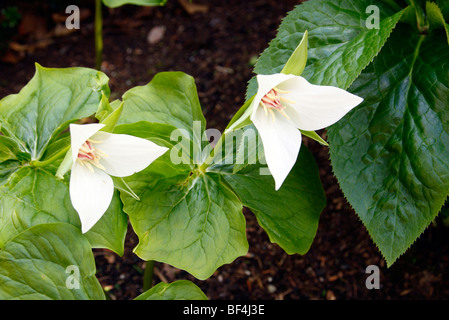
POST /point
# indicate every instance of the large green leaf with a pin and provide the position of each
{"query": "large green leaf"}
(118, 3)
(170, 98)
(390, 154)
(34, 196)
(48, 103)
(340, 44)
(191, 221)
(49, 261)
(178, 290)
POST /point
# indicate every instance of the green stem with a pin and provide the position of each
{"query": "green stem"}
(148, 275)
(237, 121)
(60, 154)
(421, 20)
(211, 156)
(98, 35)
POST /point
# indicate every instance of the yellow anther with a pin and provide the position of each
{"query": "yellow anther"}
(287, 100)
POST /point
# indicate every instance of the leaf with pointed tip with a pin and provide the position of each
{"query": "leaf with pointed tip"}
(192, 222)
(436, 19)
(49, 261)
(390, 154)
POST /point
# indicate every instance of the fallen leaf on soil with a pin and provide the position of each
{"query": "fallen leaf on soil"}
(192, 8)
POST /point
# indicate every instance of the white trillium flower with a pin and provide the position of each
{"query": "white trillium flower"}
(285, 103)
(96, 157)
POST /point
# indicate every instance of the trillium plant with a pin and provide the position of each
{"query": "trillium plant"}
(369, 80)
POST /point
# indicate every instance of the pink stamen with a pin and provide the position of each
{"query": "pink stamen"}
(272, 100)
(86, 151)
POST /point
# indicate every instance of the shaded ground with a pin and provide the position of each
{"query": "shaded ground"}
(216, 48)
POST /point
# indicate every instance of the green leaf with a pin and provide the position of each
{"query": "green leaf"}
(118, 3)
(48, 103)
(344, 64)
(8, 149)
(340, 45)
(444, 6)
(314, 136)
(189, 220)
(178, 290)
(390, 154)
(49, 261)
(170, 98)
(6, 169)
(290, 215)
(436, 18)
(33, 196)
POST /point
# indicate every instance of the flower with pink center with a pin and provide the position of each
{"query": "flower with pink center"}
(97, 156)
(285, 104)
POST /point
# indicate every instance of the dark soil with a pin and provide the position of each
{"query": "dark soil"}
(216, 48)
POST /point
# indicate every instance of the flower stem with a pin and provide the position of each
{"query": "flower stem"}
(211, 155)
(148, 275)
(98, 35)
(60, 154)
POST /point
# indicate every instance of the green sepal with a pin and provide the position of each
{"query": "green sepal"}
(121, 185)
(315, 136)
(297, 61)
(65, 165)
(242, 117)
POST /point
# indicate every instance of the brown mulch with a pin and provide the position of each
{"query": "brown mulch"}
(216, 45)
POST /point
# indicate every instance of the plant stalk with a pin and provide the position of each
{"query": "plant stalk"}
(60, 154)
(148, 275)
(98, 35)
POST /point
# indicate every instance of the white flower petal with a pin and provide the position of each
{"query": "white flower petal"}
(126, 154)
(265, 84)
(316, 107)
(90, 193)
(281, 142)
(79, 133)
